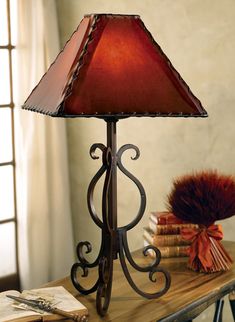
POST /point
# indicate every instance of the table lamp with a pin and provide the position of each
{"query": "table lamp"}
(111, 68)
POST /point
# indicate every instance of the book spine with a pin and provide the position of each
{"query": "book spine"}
(164, 240)
(169, 240)
(170, 229)
(165, 218)
(169, 251)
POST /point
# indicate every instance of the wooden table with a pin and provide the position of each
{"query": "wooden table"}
(189, 295)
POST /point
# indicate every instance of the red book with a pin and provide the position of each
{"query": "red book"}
(165, 218)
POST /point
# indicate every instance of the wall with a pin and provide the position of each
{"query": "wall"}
(199, 38)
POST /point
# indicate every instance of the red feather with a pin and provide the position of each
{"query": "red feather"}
(202, 198)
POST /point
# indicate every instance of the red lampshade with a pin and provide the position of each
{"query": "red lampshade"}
(111, 66)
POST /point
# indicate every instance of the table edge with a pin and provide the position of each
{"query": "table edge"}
(188, 313)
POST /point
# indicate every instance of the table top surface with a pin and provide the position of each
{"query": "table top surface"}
(190, 292)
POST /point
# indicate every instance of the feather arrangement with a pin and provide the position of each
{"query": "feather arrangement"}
(203, 198)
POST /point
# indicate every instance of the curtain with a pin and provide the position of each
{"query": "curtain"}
(45, 236)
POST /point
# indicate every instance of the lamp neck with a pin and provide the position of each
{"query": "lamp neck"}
(112, 192)
(112, 135)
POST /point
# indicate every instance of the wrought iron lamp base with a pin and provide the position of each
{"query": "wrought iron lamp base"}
(114, 242)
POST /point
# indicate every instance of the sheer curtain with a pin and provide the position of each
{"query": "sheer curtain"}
(44, 215)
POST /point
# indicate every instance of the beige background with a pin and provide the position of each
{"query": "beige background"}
(199, 38)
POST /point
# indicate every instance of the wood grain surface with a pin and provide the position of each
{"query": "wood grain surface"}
(189, 295)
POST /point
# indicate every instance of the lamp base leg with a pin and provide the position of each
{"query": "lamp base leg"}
(104, 262)
(114, 241)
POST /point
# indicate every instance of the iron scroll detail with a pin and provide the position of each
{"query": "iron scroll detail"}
(133, 179)
(123, 243)
(114, 241)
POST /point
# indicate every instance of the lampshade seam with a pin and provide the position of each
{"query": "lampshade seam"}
(28, 107)
(75, 75)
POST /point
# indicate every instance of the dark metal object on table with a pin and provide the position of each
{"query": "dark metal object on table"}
(114, 239)
(232, 303)
(47, 307)
(218, 317)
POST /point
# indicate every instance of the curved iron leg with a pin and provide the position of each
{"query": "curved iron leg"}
(104, 289)
(151, 269)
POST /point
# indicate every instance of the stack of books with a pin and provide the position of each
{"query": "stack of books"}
(163, 232)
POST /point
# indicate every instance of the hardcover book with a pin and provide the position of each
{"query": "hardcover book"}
(169, 251)
(170, 229)
(57, 296)
(164, 240)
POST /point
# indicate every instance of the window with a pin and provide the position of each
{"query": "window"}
(9, 272)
